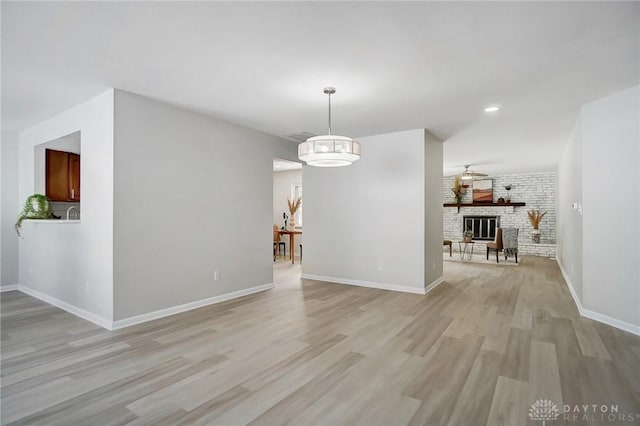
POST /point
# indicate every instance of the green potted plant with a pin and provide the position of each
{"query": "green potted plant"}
(36, 207)
(468, 236)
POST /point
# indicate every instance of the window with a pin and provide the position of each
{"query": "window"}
(296, 191)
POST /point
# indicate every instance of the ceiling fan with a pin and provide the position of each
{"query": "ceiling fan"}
(469, 174)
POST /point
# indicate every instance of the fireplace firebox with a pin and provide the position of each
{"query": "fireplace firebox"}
(483, 227)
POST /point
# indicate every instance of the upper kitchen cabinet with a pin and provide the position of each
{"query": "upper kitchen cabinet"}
(62, 175)
(74, 176)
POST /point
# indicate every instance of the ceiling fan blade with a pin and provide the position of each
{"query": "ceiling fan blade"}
(470, 174)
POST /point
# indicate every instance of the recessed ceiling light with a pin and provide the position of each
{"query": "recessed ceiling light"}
(492, 108)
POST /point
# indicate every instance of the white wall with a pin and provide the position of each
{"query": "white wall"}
(569, 228)
(9, 211)
(605, 147)
(282, 182)
(218, 179)
(73, 263)
(370, 216)
(611, 207)
(432, 210)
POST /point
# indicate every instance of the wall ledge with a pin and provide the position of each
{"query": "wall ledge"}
(596, 316)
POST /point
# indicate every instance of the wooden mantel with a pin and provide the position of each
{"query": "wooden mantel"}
(458, 205)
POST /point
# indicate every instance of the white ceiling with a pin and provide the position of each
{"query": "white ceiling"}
(396, 66)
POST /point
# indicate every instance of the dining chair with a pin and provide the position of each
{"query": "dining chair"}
(448, 243)
(496, 244)
(277, 242)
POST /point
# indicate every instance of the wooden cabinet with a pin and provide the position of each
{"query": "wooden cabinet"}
(62, 175)
(74, 176)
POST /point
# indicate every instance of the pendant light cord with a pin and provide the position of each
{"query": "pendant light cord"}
(329, 113)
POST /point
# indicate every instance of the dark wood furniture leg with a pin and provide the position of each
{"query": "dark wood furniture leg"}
(291, 246)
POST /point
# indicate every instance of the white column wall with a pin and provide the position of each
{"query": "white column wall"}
(611, 206)
(433, 218)
(72, 264)
(193, 195)
(569, 226)
(365, 224)
(9, 211)
(600, 171)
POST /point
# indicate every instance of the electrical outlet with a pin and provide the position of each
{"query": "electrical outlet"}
(380, 266)
(216, 275)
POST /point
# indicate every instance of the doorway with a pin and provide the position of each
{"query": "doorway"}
(288, 227)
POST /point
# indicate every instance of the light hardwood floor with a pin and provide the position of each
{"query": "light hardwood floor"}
(477, 350)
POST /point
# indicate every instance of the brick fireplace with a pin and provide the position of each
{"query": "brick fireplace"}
(537, 190)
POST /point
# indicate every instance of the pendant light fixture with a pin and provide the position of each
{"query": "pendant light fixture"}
(329, 150)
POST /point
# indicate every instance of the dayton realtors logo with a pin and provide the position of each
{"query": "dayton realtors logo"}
(545, 410)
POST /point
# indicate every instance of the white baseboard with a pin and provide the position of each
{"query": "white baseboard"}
(613, 322)
(369, 284)
(114, 325)
(9, 287)
(576, 299)
(596, 316)
(89, 316)
(188, 306)
(434, 284)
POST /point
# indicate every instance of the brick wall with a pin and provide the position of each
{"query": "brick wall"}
(538, 190)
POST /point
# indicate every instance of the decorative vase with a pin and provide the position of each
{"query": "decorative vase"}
(292, 223)
(535, 236)
(468, 239)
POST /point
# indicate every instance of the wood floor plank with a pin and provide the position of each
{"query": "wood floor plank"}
(297, 402)
(510, 403)
(448, 351)
(474, 402)
(545, 383)
(589, 339)
(516, 360)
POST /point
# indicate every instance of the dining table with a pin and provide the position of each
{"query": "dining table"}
(292, 235)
